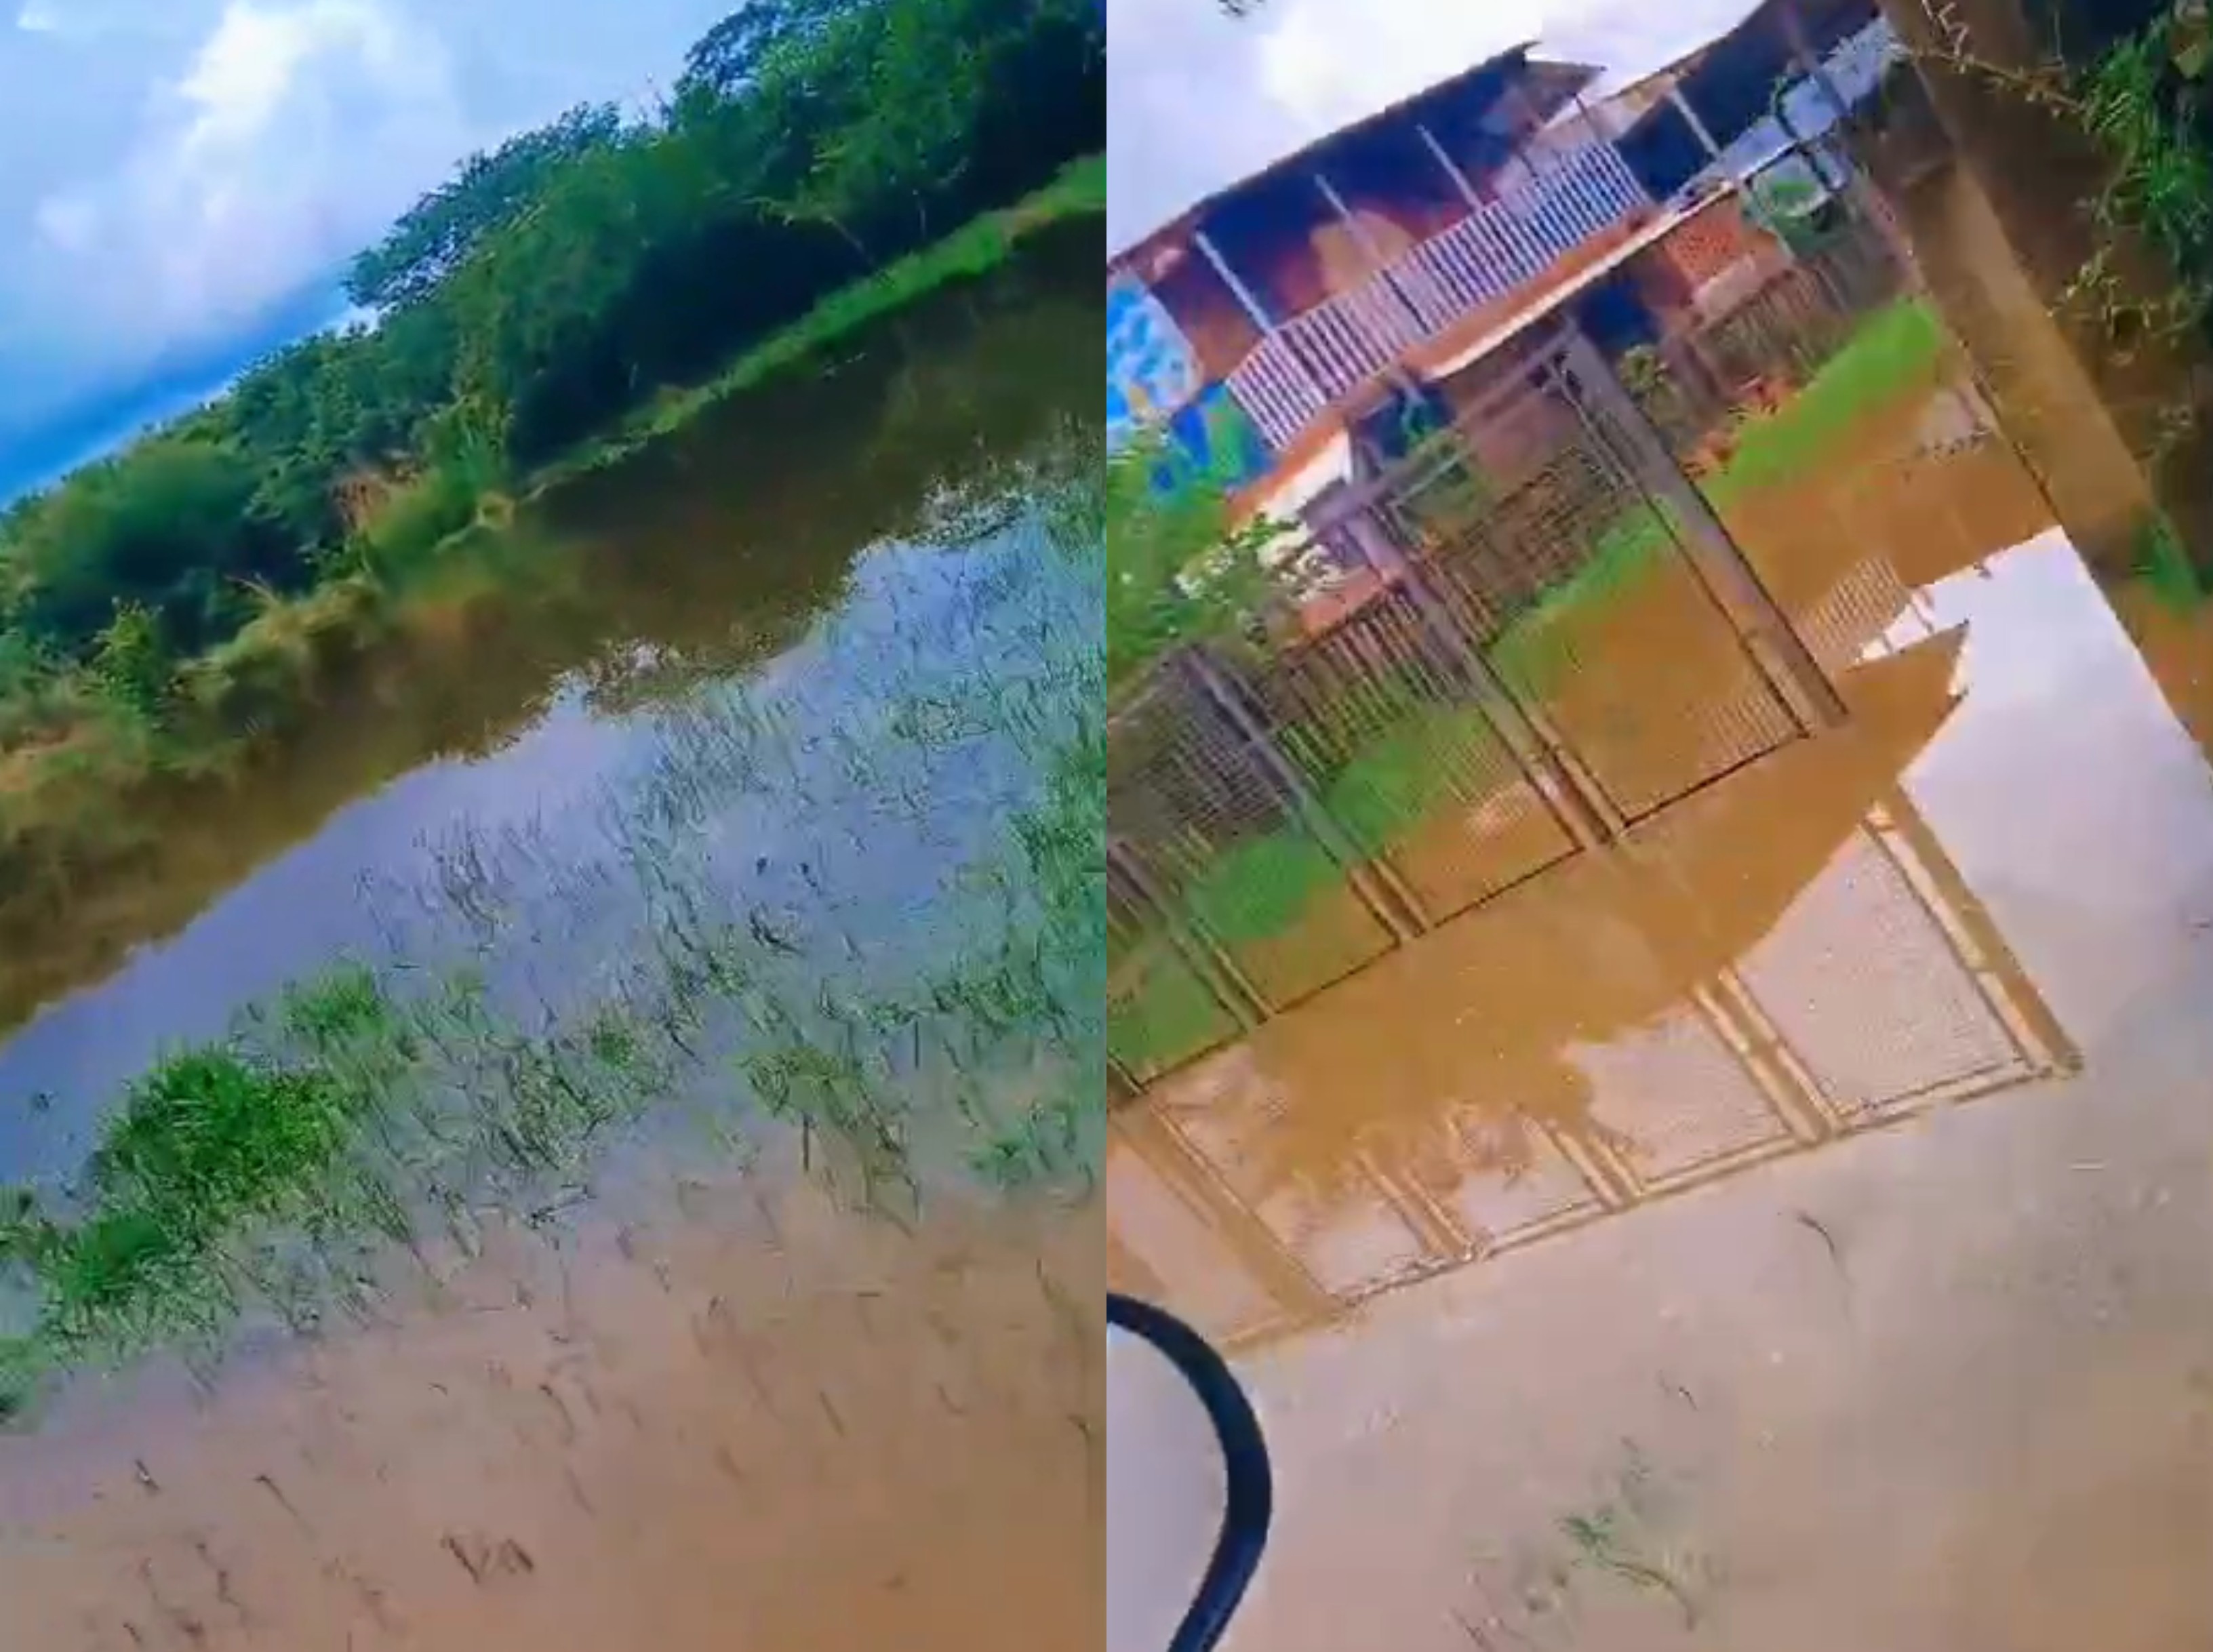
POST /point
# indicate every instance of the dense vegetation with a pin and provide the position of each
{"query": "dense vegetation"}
(569, 282)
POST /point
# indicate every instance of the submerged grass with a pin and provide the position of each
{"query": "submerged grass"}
(976, 248)
(381, 1108)
(1898, 351)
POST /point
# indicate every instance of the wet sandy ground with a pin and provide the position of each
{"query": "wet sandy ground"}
(1794, 1231)
(749, 1427)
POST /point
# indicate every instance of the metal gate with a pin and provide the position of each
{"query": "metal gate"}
(1534, 634)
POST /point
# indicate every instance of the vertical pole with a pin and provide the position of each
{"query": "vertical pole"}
(1443, 157)
(1698, 126)
(1372, 255)
(1255, 312)
(1781, 652)
(1377, 885)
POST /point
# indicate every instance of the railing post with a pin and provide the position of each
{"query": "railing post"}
(1781, 652)
(1372, 255)
(1460, 180)
(1248, 300)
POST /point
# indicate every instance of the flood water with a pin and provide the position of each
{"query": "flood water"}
(1794, 1227)
(779, 544)
(697, 1394)
(1791, 1227)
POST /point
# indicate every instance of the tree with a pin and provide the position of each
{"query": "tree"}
(489, 192)
(547, 289)
(730, 57)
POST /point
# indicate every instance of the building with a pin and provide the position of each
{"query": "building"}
(1286, 331)
(1280, 309)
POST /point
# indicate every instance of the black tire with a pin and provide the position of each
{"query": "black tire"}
(1250, 1505)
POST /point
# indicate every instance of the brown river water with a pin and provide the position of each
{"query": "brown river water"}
(711, 1409)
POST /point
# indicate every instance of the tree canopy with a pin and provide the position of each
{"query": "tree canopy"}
(553, 284)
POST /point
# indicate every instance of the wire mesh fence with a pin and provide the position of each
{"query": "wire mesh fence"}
(1529, 647)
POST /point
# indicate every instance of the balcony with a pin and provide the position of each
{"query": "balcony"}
(1503, 248)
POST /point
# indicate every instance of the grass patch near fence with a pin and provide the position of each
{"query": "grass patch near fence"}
(1262, 889)
(1898, 351)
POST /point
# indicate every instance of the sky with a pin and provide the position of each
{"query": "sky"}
(1197, 100)
(180, 180)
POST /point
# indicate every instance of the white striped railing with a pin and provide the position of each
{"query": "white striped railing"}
(1276, 392)
(1341, 344)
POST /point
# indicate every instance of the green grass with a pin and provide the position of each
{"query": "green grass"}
(2162, 564)
(1170, 1015)
(974, 250)
(1262, 889)
(1898, 351)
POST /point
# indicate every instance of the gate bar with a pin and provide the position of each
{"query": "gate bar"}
(1774, 644)
(1241, 1001)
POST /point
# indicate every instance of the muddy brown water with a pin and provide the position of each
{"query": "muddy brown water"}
(758, 1423)
(741, 1413)
(731, 555)
(1796, 1227)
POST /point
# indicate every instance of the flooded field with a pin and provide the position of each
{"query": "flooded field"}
(1787, 1226)
(627, 1075)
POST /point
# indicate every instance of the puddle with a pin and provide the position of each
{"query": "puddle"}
(1790, 1228)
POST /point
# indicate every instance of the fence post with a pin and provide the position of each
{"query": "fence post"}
(1378, 887)
(1781, 653)
(1245, 1003)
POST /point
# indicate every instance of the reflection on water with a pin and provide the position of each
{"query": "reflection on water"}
(1612, 1264)
(721, 553)
(1785, 960)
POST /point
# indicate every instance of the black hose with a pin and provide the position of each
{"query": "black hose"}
(1250, 1501)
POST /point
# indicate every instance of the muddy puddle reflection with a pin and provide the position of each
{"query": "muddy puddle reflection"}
(1790, 1228)
(757, 1421)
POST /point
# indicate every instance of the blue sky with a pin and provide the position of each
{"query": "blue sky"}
(181, 180)
(1196, 100)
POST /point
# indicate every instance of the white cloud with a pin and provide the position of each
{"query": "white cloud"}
(293, 134)
(82, 20)
(1195, 100)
